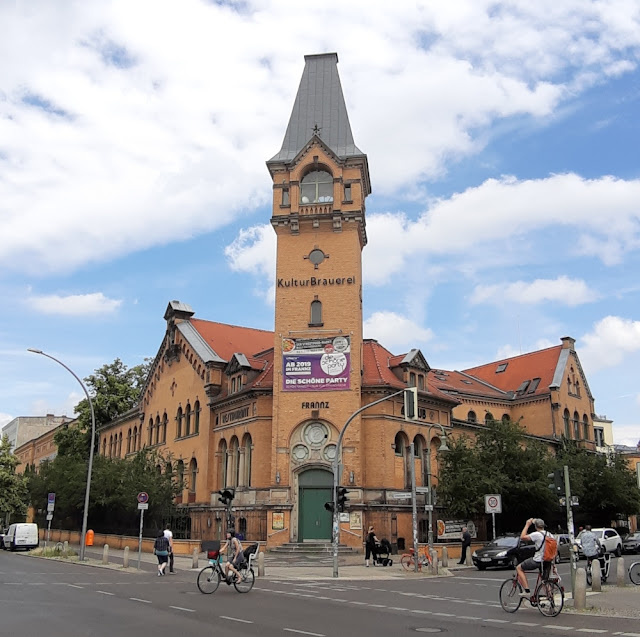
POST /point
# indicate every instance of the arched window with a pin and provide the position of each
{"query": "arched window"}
(316, 187)
(165, 423)
(567, 427)
(110, 446)
(159, 469)
(187, 420)
(418, 446)
(488, 419)
(104, 446)
(420, 382)
(399, 444)
(316, 313)
(129, 441)
(120, 445)
(412, 379)
(179, 423)
(180, 474)
(576, 425)
(233, 469)
(242, 527)
(577, 388)
(471, 417)
(585, 427)
(419, 450)
(222, 467)
(193, 473)
(402, 450)
(247, 445)
(506, 418)
(196, 417)
(135, 438)
(157, 436)
(150, 431)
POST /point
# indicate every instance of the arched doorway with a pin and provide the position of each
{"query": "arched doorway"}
(314, 521)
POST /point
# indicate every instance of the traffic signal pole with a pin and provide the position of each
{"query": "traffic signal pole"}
(574, 561)
(336, 477)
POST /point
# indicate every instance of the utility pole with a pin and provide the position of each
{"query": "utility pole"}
(414, 505)
(567, 495)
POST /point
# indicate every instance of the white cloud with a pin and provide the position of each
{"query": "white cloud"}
(126, 126)
(56, 406)
(253, 251)
(626, 434)
(74, 304)
(562, 290)
(612, 339)
(395, 331)
(5, 419)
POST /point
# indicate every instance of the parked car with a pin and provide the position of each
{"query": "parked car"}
(564, 547)
(21, 536)
(508, 550)
(631, 543)
(609, 540)
(2, 539)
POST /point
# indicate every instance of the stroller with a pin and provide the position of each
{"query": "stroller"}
(383, 551)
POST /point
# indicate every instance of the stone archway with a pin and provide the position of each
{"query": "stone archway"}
(314, 489)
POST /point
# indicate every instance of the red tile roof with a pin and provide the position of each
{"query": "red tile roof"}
(462, 383)
(226, 340)
(541, 364)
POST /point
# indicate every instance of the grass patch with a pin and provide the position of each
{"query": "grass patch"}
(56, 551)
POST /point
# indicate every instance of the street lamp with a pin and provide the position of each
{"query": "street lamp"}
(443, 447)
(93, 435)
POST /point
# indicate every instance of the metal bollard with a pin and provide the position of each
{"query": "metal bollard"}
(261, 564)
(580, 600)
(596, 576)
(125, 558)
(621, 575)
(433, 554)
(194, 562)
(105, 554)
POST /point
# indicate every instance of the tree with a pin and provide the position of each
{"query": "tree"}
(13, 490)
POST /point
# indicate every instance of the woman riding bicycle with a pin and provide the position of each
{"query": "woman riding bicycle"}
(533, 563)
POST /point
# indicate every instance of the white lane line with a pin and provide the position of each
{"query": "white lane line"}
(105, 593)
(443, 615)
(359, 603)
(378, 605)
(591, 630)
(37, 583)
(527, 624)
(186, 610)
(398, 608)
(473, 618)
(303, 632)
(554, 627)
(630, 634)
(137, 599)
(422, 612)
(496, 621)
(75, 586)
(236, 619)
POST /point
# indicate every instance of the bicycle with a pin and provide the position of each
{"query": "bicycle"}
(408, 560)
(605, 563)
(210, 576)
(547, 596)
(634, 573)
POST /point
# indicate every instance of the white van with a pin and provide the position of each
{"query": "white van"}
(21, 536)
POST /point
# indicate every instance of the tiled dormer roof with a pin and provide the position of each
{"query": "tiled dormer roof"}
(509, 374)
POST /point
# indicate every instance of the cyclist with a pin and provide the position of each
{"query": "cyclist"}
(533, 563)
(589, 543)
(235, 556)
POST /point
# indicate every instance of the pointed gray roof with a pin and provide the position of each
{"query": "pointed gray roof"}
(319, 103)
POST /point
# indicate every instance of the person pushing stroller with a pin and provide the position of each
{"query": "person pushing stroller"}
(371, 545)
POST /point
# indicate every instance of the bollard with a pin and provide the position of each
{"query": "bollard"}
(105, 554)
(445, 557)
(621, 576)
(467, 560)
(125, 558)
(433, 554)
(261, 564)
(596, 576)
(580, 599)
(65, 548)
(194, 562)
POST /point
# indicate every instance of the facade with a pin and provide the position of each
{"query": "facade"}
(261, 411)
(25, 428)
(34, 452)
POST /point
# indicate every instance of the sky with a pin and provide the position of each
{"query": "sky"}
(503, 144)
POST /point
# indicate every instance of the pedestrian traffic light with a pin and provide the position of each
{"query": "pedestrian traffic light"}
(411, 403)
(341, 497)
(226, 496)
(558, 482)
(329, 506)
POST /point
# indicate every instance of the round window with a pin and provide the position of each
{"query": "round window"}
(329, 453)
(299, 453)
(316, 433)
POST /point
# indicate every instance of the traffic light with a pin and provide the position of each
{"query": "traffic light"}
(411, 403)
(341, 497)
(329, 506)
(226, 496)
(558, 482)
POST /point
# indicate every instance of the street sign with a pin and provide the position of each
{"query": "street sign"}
(51, 498)
(428, 507)
(401, 495)
(143, 506)
(50, 507)
(143, 497)
(575, 501)
(493, 503)
(49, 517)
(422, 489)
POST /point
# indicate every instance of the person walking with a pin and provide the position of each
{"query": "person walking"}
(169, 535)
(161, 550)
(371, 543)
(465, 538)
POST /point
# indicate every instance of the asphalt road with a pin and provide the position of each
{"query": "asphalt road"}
(54, 599)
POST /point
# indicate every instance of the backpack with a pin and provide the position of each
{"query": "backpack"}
(161, 544)
(550, 548)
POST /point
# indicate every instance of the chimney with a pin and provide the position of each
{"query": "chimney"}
(568, 343)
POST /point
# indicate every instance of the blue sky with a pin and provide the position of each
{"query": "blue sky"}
(502, 140)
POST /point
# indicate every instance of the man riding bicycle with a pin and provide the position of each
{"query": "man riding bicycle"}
(589, 543)
(533, 563)
(235, 556)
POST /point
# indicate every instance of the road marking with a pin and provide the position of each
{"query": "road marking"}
(105, 593)
(590, 630)
(496, 621)
(527, 624)
(137, 599)
(422, 612)
(630, 634)
(398, 608)
(75, 586)
(378, 605)
(236, 619)
(358, 603)
(186, 610)
(428, 630)
(474, 618)
(554, 627)
(303, 632)
(443, 615)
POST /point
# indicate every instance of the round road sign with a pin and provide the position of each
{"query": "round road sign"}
(143, 497)
(493, 502)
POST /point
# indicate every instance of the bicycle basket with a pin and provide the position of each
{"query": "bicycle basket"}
(212, 555)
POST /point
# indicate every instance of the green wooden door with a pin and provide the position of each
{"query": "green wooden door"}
(315, 520)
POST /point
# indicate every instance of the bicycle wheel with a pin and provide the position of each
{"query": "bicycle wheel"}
(245, 583)
(589, 575)
(550, 598)
(407, 562)
(634, 573)
(510, 599)
(208, 580)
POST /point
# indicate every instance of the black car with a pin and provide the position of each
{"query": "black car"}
(508, 550)
(631, 543)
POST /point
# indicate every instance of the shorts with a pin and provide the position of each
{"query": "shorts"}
(530, 565)
(162, 559)
(238, 562)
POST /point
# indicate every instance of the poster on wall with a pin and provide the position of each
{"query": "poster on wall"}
(355, 520)
(277, 521)
(316, 364)
(452, 529)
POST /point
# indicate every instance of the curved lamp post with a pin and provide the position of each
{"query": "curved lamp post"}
(93, 435)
